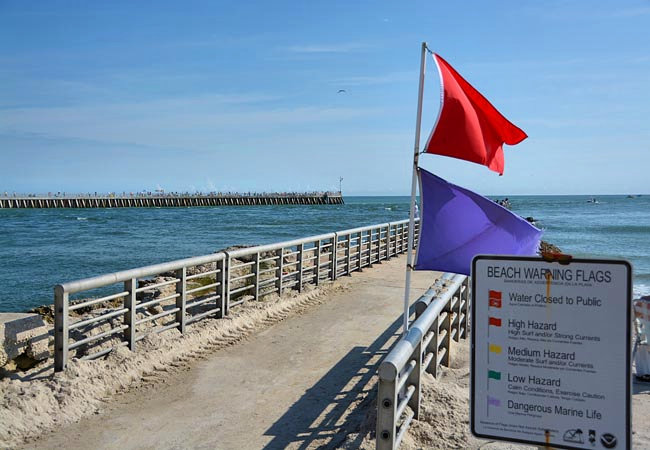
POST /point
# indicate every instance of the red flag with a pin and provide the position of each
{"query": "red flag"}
(494, 321)
(468, 126)
(494, 298)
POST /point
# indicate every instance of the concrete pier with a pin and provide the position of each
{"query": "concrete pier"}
(170, 201)
(303, 382)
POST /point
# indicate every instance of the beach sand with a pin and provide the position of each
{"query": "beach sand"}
(173, 390)
(36, 401)
(444, 415)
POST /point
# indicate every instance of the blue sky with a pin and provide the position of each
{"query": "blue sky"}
(125, 96)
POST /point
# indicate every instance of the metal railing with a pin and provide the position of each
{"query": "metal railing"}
(441, 316)
(207, 286)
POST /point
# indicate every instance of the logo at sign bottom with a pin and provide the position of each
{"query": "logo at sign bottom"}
(608, 440)
(574, 436)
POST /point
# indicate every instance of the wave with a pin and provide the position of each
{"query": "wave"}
(640, 289)
(82, 218)
(640, 229)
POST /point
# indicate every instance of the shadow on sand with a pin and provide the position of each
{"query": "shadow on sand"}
(339, 403)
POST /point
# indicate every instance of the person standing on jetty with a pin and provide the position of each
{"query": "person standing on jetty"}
(641, 350)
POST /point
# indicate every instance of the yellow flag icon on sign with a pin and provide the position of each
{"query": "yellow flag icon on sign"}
(495, 348)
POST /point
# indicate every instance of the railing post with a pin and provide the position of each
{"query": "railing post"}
(359, 251)
(458, 295)
(317, 253)
(398, 238)
(280, 264)
(333, 263)
(378, 244)
(416, 234)
(228, 261)
(223, 279)
(130, 316)
(301, 251)
(256, 270)
(60, 328)
(386, 412)
(414, 379)
(406, 237)
(466, 309)
(388, 241)
(370, 247)
(181, 300)
(433, 347)
(348, 255)
(447, 324)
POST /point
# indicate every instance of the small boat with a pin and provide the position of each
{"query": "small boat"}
(593, 200)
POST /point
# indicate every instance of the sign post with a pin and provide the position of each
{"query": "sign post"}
(551, 348)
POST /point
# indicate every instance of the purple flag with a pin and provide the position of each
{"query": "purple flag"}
(457, 224)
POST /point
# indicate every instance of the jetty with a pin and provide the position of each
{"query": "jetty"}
(168, 200)
(305, 382)
(320, 363)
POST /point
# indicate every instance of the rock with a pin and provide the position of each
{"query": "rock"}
(154, 309)
(45, 311)
(201, 268)
(23, 335)
(546, 247)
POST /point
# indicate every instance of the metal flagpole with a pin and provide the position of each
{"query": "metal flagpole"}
(416, 153)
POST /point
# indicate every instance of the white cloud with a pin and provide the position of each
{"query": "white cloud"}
(387, 78)
(632, 12)
(193, 123)
(327, 48)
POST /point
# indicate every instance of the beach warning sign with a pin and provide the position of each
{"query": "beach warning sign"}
(551, 349)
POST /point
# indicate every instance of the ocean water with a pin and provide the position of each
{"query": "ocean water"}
(43, 247)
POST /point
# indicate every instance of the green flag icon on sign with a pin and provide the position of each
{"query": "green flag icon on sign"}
(494, 374)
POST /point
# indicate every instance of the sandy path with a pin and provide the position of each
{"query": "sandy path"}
(303, 382)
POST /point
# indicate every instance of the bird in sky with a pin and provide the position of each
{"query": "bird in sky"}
(340, 91)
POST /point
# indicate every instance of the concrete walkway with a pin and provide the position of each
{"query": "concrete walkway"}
(302, 383)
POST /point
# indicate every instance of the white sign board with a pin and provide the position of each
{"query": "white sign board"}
(551, 352)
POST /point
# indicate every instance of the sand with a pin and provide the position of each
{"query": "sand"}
(173, 387)
(444, 415)
(304, 382)
(41, 402)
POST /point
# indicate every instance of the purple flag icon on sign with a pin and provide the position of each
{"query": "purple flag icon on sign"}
(458, 224)
(493, 401)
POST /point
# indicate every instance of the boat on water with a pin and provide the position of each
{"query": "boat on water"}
(593, 200)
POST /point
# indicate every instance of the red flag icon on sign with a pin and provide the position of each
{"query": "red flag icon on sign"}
(494, 321)
(495, 299)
